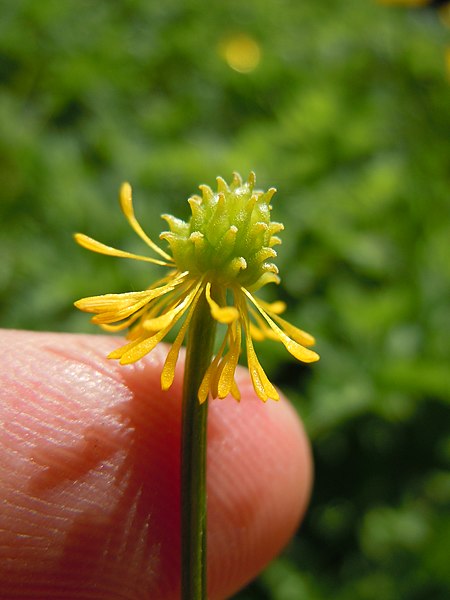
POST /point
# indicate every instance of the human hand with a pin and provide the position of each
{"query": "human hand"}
(89, 475)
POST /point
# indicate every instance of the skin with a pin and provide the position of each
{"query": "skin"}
(89, 475)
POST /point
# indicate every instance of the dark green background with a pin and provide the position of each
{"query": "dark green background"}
(348, 115)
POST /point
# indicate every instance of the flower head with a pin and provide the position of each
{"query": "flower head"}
(223, 253)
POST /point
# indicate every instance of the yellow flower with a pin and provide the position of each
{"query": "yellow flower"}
(223, 254)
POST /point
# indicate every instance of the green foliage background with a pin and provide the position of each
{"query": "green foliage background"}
(348, 116)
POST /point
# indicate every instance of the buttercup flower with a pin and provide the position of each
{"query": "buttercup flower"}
(223, 253)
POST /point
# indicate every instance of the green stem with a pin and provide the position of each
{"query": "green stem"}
(193, 455)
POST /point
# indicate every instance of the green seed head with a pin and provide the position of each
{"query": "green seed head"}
(229, 236)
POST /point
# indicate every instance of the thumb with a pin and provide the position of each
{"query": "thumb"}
(89, 475)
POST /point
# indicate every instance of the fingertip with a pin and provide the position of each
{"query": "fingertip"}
(92, 453)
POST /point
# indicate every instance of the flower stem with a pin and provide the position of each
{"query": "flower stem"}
(193, 455)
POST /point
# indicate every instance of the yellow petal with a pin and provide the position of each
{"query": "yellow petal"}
(115, 316)
(265, 278)
(276, 307)
(300, 336)
(115, 307)
(165, 319)
(203, 390)
(261, 383)
(205, 385)
(91, 244)
(137, 332)
(263, 388)
(262, 328)
(226, 314)
(168, 372)
(126, 204)
(235, 391)
(116, 312)
(109, 302)
(119, 352)
(173, 276)
(124, 324)
(141, 347)
(162, 321)
(230, 361)
(297, 350)
(256, 333)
